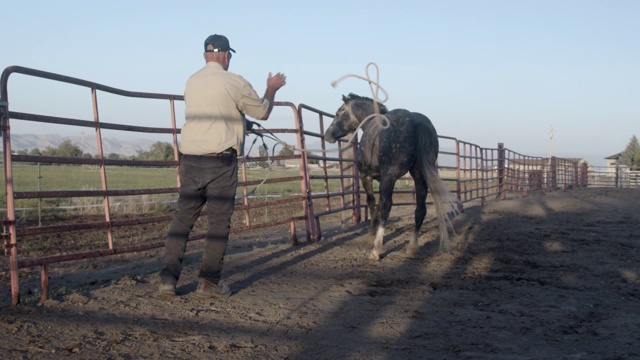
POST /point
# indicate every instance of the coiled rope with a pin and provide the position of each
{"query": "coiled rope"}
(376, 114)
(374, 95)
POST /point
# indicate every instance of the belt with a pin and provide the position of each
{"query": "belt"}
(228, 152)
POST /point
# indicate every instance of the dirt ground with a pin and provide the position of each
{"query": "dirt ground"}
(553, 276)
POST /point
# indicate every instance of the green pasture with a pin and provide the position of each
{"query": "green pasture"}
(33, 177)
(86, 177)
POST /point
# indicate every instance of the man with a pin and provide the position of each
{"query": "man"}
(216, 102)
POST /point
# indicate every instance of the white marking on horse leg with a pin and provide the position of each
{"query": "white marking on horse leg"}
(412, 246)
(377, 244)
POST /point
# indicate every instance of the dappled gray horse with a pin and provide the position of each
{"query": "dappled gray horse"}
(408, 144)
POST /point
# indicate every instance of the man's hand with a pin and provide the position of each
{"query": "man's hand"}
(276, 81)
(249, 124)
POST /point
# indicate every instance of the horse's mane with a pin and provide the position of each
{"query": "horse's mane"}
(352, 96)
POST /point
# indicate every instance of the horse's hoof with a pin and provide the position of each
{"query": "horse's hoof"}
(374, 255)
(412, 251)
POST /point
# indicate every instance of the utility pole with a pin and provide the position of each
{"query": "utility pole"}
(551, 142)
(551, 176)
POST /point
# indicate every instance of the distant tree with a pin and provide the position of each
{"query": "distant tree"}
(35, 151)
(263, 152)
(50, 151)
(142, 155)
(162, 150)
(313, 161)
(285, 151)
(159, 151)
(113, 156)
(631, 155)
(69, 149)
(23, 152)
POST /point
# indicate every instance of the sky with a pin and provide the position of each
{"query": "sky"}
(486, 72)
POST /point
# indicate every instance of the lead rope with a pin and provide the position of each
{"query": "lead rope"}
(250, 125)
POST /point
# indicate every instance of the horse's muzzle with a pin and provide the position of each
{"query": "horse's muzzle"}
(328, 136)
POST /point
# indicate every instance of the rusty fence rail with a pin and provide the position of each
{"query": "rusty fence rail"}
(119, 233)
(473, 173)
(327, 177)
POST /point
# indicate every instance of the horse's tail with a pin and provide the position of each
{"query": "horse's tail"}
(445, 202)
(443, 199)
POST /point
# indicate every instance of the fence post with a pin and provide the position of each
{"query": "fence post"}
(8, 173)
(348, 183)
(501, 172)
(554, 173)
(39, 198)
(305, 183)
(357, 215)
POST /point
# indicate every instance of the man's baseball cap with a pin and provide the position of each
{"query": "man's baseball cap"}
(220, 43)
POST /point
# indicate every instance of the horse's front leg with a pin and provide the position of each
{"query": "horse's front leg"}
(386, 201)
(367, 184)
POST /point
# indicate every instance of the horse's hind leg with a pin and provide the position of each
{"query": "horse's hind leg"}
(420, 212)
(384, 208)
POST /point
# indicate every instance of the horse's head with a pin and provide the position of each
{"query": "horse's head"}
(349, 116)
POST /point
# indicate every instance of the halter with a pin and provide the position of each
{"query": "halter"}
(385, 120)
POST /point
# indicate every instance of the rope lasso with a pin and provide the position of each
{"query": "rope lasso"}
(374, 94)
(376, 100)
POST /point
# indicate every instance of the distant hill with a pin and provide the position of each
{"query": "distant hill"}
(86, 142)
(109, 145)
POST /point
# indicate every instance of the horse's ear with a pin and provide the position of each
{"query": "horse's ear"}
(344, 98)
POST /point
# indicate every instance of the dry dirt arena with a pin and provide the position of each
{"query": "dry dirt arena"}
(553, 276)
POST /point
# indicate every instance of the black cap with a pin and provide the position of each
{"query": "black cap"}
(220, 43)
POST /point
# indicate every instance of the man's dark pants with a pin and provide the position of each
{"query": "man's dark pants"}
(209, 180)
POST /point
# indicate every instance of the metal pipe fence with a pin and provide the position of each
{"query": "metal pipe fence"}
(56, 239)
(325, 184)
(472, 172)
